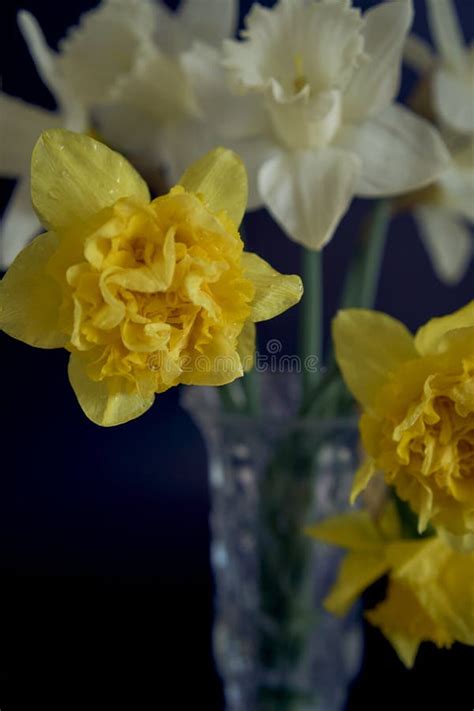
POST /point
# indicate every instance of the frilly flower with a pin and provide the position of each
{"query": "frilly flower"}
(143, 294)
(319, 124)
(417, 394)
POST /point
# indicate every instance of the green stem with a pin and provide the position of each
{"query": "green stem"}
(375, 250)
(251, 386)
(360, 290)
(362, 282)
(311, 324)
(232, 397)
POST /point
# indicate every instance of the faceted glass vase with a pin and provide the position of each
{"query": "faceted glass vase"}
(275, 646)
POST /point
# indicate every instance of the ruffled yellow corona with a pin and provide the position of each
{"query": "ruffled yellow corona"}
(144, 294)
(418, 399)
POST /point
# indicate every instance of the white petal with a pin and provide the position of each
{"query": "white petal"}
(446, 32)
(153, 94)
(20, 128)
(418, 55)
(128, 130)
(254, 152)
(457, 183)
(209, 20)
(19, 223)
(171, 35)
(454, 100)
(103, 46)
(233, 115)
(308, 192)
(448, 242)
(46, 62)
(309, 121)
(376, 82)
(156, 86)
(181, 142)
(318, 42)
(43, 57)
(399, 151)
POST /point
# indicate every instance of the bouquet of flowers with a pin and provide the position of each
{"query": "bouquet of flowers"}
(168, 130)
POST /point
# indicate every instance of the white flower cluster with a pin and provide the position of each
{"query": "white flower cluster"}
(445, 224)
(306, 96)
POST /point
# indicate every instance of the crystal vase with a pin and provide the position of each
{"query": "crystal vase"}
(275, 646)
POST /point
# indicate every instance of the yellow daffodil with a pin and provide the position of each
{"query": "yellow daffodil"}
(418, 399)
(431, 586)
(144, 294)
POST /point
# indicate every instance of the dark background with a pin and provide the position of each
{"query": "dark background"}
(105, 586)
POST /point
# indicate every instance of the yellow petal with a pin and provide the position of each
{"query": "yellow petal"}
(110, 402)
(275, 292)
(405, 647)
(461, 544)
(405, 622)
(363, 475)
(416, 560)
(389, 522)
(405, 644)
(217, 364)
(450, 598)
(355, 531)
(30, 299)
(429, 336)
(221, 179)
(369, 345)
(74, 177)
(246, 345)
(357, 572)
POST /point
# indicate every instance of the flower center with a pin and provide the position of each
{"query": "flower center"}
(310, 121)
(436, 447)
(158, 286)
(300, 80)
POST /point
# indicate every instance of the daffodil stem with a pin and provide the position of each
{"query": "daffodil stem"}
(251, 384)
(311, 324)
(360, 289)
(228, 399)
(373, 253)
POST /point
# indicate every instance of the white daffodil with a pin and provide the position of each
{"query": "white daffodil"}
(445, 221)
(89, 61)
(153, 112)
(451, 69)
(320, 125)
(445, 216)
(21, 124)
(118, 70)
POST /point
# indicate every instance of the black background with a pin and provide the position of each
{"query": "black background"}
(105, 586)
